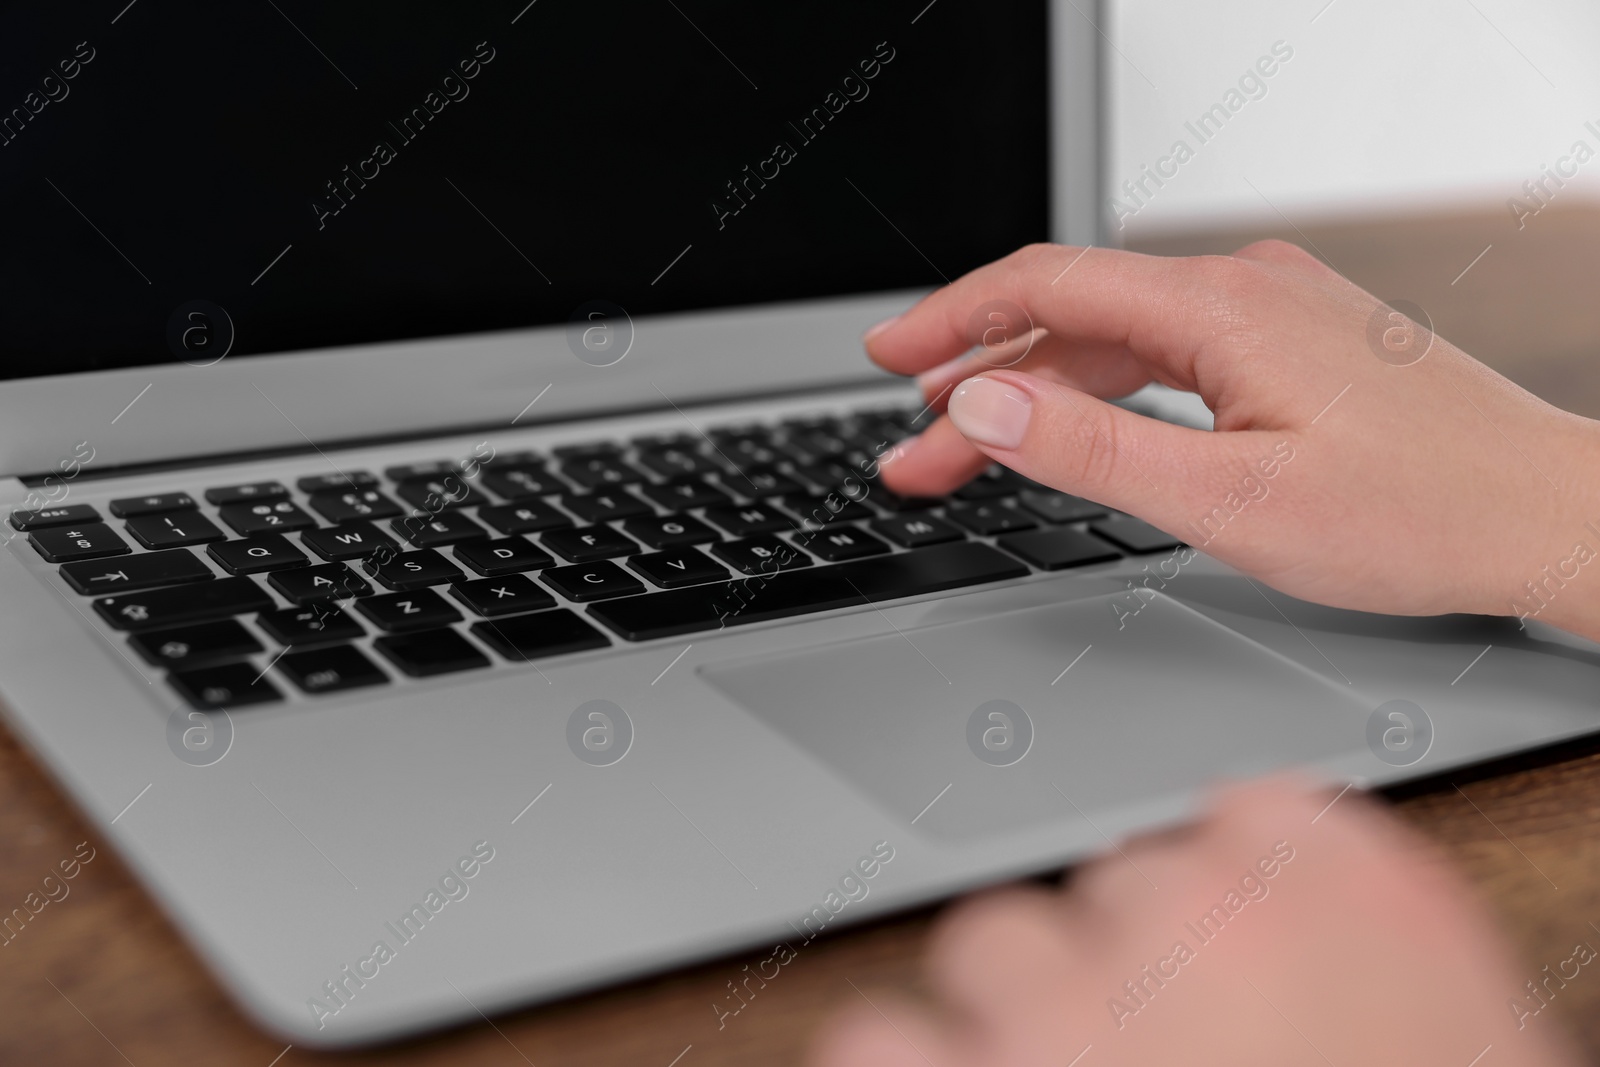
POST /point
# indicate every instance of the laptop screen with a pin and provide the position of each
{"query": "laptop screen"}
(182, 178)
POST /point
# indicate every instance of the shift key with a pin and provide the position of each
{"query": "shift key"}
(216, 599)
(145, 570)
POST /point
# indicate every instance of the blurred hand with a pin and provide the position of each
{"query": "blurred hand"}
(1422, 489)
(1345, 941)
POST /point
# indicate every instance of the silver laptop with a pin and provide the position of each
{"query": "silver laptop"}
(446, 558)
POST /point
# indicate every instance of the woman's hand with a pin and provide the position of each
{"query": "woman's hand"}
(1280, 930)
(1415, 489)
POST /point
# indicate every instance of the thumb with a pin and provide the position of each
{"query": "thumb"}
(1167, 475)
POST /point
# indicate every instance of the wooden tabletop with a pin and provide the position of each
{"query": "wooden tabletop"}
(100, 977)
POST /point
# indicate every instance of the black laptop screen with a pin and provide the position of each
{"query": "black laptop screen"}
(334, 174)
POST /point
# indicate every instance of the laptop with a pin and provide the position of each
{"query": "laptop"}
(446, 558)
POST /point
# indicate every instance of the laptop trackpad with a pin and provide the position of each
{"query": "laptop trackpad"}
(1018, 712)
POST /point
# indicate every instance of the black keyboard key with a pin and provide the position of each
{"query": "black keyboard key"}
(89, 540)
(868, 581)
(181, 647)
(1052, 550)
(727, 436)
(586, 449)
(833, 424)
(1017, 482)
(761, 482)
(600, 472)
(156, 608)
(605, 506)
(421, 471)
(894, 502)
(652, 442)
(679, 567)
(339, 482)
(885, 425)
(325, 581)
(411, 570)
(440, 494)
(420, 609)
(1135, 535)
(548, 633)
(676, 461)
(820, 443)
(174, 530)
(522, 457)
(751, 519)
(839, 543)
(814, 511)
(584, 544)
(523, 483)
(670, 531)
(432, 531)
(747, 451)
(684, 494)
(129, 506)
(986, 486)
(329, 670)
(314, 624)
(24, 519)
(866, 444)
(253, 491)
(144, 570)
(506, 555)
(988, 518)
(859, 460)
(353, 505)
(353, 540)
(252, 555)
(1052, 506)
(899, 418)
(232, 685)
(760, 555)
(592, 581)
(917, 530)
(277, 516)
(530, 516)
(511, 594)
(430, 652)
(825, 476)
(798, 424)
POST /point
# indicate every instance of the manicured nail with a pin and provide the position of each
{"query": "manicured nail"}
(880, 327)
(990, 412)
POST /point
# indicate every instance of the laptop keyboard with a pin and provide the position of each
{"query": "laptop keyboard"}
(355, 579)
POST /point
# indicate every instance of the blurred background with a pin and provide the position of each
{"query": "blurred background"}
(1391, 144)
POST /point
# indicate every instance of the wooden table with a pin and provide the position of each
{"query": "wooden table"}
(101, 976)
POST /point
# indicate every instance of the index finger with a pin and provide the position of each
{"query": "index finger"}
(1159, 308)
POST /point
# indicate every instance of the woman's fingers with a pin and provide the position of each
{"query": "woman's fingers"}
(1160, 309)
(1106, 370)
(1082, 445)
(940, 460)
(935, 462)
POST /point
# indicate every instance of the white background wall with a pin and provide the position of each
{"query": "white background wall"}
(1386, 105)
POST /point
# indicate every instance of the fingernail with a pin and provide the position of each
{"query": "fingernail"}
(990, 412)
(880, 327)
